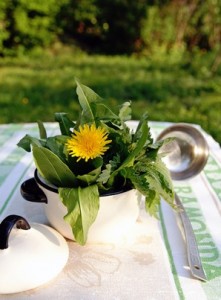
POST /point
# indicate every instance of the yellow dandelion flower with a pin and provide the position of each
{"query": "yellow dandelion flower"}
(88, 143)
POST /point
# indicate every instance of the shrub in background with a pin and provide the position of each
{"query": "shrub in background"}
(155, 27)
(27, 24)
(4, 34)
(111, 28)
(175, 28)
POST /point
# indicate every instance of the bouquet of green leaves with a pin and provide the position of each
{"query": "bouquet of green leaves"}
(96, 155)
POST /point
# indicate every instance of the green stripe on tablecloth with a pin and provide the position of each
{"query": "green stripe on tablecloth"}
(8, 132)
(8, 165)
(169, 252)
(156, 129)
(14, 158)
(16, 155)
(209, 252)
(212, 172)
(19, 181)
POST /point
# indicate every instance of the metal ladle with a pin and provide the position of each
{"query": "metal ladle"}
(187, 153)
(186, 157)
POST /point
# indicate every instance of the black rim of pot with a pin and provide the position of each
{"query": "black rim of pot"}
(55, 189)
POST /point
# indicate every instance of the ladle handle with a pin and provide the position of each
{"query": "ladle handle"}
(6, 226)
(192, 248)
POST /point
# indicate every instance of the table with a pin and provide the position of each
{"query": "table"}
(149, 263)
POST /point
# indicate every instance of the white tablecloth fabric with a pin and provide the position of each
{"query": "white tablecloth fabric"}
(148, 263)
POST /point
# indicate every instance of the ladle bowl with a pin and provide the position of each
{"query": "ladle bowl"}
(187, 154)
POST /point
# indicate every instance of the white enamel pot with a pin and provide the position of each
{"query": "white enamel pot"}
(117, 213)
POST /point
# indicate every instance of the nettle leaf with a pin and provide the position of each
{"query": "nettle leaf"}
(86, 96)
(129, 161)
(27, 141)
(51, 167)
(115, 161)
(82, 205)
(166, 146)
(65, 123)
(42, 130)
(139, 181)
(152, 179)
(119, 133)
(159, 180)
(139, 146)
(152, 198)
(138, 133)
(152, 202)
(125, 111)
(105, 174)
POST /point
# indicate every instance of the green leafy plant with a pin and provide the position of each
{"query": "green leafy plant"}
(96, 155)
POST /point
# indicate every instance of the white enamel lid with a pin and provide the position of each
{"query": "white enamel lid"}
(33, 257)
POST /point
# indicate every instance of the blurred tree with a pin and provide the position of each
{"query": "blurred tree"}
(4, 34)
(28, 23)
(121, 22)
(153, 27)
(110, 27)
(174, 26)
(78, 21)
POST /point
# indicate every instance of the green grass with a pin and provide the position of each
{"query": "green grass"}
(35, 88)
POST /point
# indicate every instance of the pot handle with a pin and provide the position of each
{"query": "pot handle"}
(30, 191)
(6, 226)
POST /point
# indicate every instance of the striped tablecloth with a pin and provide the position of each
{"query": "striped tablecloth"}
(151, 262)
